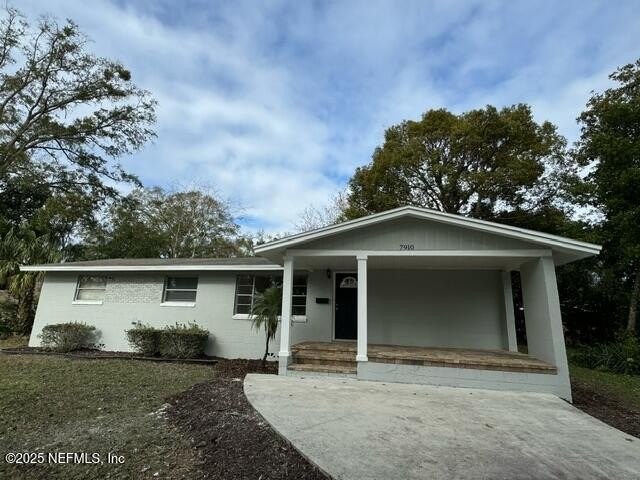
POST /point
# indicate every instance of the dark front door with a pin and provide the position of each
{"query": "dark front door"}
(346, 305)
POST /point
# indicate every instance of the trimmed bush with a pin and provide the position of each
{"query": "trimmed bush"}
(144, 339)
(183, 341)
(622, 356)
(67, 337)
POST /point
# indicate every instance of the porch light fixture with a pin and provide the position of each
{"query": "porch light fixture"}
(328, 273)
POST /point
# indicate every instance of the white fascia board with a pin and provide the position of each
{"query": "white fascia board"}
(448, 218)
(517, 253)
(150, 268)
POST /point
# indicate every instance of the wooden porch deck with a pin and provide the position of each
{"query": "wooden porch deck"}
(340, 357)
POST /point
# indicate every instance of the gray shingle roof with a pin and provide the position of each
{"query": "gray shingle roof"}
(161, 263)
(171, 261)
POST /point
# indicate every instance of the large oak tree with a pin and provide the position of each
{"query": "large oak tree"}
(476, 163)
(64, 108)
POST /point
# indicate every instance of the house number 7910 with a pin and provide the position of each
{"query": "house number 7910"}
(407, 246)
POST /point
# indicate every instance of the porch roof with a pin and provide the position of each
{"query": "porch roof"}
(531, 243)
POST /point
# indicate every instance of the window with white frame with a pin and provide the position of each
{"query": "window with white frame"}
(299, 297)
(180, 289)
(90, 288)
(249, 286)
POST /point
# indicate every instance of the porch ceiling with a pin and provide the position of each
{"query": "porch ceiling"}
(395, 262)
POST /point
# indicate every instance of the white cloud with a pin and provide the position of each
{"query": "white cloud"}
(275, 103)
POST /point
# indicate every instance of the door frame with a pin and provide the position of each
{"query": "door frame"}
(333, 309)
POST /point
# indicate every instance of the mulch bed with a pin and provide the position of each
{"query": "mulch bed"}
(232, 439)
(90, 354)
(605, 408)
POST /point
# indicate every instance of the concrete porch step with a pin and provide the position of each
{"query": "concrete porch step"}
(310, 360)
(309, 367)
(348, 357)
(326, 347)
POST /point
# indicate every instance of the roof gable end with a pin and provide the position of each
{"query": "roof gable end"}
(562, 245)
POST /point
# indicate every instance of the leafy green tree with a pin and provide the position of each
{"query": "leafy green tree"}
(124, 233)
(158, 223)
(610, 147)
(64, 109)
(24, 248)
(264, 314)
(475, 163)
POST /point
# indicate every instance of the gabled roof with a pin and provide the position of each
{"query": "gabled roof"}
(158, 264)
(561, 244)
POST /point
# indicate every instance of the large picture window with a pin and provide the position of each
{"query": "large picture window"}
(249, 286)
(90, 289)
(180, 289)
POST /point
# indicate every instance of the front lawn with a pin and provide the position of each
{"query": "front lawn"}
(54, 404)
(610, 397)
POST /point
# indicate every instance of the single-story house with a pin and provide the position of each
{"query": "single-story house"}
(408, 295)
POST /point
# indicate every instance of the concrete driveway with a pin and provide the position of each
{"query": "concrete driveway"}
(364, 430)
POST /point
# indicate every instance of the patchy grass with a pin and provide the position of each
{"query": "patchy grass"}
(14, 341)
(625, 388)
(610, 397)
(53, 404)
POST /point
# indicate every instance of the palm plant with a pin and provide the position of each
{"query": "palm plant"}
(24, 248)
(265, 312)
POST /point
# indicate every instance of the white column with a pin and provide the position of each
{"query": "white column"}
(545, 336)
(284, 356)
(509, 316)
(362, 309)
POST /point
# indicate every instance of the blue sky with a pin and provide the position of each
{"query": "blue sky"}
(275, 103)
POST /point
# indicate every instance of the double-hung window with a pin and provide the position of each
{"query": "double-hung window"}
(90, 289)
(248, 287)
(180, 290)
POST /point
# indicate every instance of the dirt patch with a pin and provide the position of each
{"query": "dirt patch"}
(605, 408)
(232, 439)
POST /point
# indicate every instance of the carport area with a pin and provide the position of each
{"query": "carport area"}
(354, 429)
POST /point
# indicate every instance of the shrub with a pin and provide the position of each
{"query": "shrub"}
(621, 356)
(66, 337)
(8, 313)
(144, 339)
(5, 330)
(183, 341)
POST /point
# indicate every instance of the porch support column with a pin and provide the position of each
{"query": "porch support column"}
(509, 316)
(545, 336)
(284, 356)
(362, 309)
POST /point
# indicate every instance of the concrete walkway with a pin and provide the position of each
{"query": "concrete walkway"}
(368, 430)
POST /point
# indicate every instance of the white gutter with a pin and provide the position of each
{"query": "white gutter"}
(149, 268)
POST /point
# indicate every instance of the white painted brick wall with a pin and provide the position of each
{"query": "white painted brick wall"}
(134, 289)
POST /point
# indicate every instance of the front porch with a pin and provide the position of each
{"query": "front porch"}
(425, 297)
(340, 357)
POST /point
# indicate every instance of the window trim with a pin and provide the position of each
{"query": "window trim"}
(248, 316)
(179, 303)
(78, 289)
(306, 291)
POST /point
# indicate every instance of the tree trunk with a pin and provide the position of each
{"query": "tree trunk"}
(24, 321)
(633, 304)
(266, 352)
